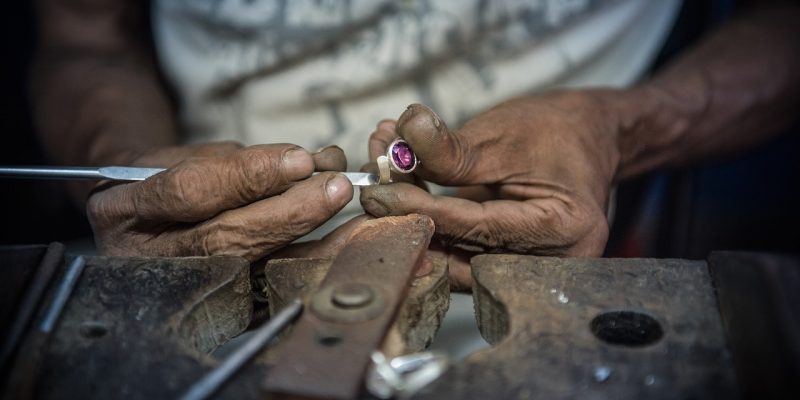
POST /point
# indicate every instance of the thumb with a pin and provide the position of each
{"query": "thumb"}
(445, 156)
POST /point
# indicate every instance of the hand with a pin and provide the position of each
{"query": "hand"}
(537, 170)
(219, 199)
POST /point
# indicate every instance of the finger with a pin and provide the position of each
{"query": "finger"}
(477, 193)
(168, 157)
(551, 225)
(445, 156)
(330, 158)
(200, 188)
(260, 228)
(328, 246)
(459, 271)
(381, 138)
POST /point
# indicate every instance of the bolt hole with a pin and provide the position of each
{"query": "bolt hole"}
(329, 339)
(626, 328)
(93, 329)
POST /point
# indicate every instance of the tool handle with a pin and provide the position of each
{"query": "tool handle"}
(51, 172)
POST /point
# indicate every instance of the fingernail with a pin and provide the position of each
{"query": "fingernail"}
(321, 149)
(336, 186)
(297, 164)
(437, 121)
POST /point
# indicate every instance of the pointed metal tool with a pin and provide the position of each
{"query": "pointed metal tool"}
(128, 173)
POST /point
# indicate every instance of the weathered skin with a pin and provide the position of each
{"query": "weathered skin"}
(222, 200)
(535, 172)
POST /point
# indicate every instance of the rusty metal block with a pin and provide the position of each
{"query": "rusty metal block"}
(352, 309)
(419, 316)
(139, 328)
(593, 329)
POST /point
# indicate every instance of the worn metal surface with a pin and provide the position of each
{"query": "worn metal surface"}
(546, 317)
(325, 356)
(419, 317)
(138, 328)
(214, 380)
(29, 357)
(759, 299)
(17, 263)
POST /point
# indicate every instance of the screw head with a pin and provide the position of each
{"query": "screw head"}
(352, 295)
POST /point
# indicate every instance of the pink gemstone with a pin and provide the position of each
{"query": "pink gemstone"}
(403, 157)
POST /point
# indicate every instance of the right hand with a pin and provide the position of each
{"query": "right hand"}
(537, 173)
(219, 199)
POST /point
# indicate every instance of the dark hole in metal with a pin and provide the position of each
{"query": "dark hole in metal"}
(329, 340)
(626, 328)
(93, 329)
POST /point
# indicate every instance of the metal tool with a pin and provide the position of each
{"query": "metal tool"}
(128, 173)
(211, 382)
(22, 381)
(52, 259)
(113, 173)
(404, 375)
(352, 310)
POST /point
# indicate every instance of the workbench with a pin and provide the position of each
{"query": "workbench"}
(143, 328)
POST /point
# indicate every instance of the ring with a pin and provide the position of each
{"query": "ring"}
(401, 158)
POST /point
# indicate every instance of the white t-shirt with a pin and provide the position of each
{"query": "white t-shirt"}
(320, 72)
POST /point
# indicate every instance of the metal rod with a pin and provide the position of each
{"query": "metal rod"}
(129, 173)
(26, 312)
(211, 382)
(112, 172)
(62, 294)
(51, 172)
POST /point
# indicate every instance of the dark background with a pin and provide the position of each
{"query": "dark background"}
(748, 203)
(30, 211)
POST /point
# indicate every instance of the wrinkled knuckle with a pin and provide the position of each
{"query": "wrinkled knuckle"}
(206, 242)
(482, 234)
(186, 189)
(552, 216)
(255, 172)
(282, 234)
(549, 231)
(95, 206)
(301, 220)
(107, 207)
(464, 165)
(97, 211)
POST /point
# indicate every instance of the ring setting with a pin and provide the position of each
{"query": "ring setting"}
(401, 158)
